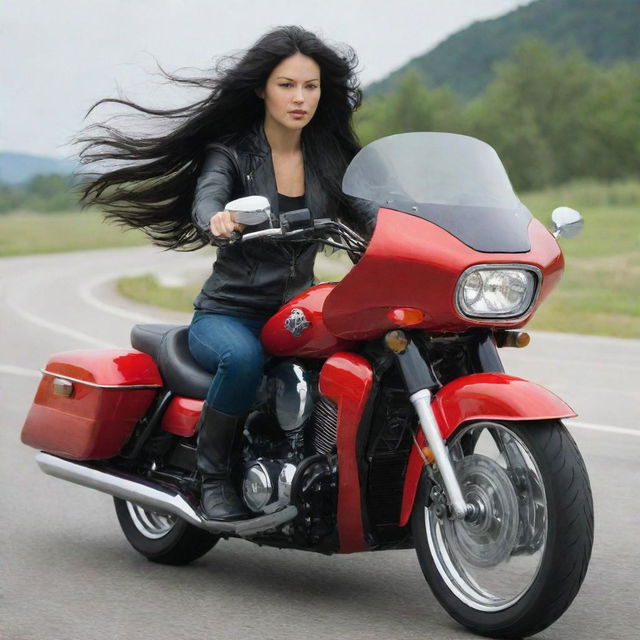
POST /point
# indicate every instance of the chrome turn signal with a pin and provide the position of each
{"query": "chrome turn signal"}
(517, 339)
(396, 341)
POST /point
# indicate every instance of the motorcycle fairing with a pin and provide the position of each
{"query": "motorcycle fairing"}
(481, 396)
(484, 229)
(397, 272)
(346, 379)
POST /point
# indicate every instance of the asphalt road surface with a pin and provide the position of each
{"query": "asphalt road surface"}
(69, 574)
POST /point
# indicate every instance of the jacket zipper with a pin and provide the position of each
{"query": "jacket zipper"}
(292, 268)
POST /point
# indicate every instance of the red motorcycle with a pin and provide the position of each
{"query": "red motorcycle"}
(385, 419)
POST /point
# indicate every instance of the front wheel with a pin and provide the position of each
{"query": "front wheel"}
(162, 538)
(514, 566)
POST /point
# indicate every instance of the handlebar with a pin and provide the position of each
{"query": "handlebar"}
(321, 230)
(295, 226)
(283, 233)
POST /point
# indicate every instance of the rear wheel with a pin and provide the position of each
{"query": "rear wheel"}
(160, 537)
(515, 566)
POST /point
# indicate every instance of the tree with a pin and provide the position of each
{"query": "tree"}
(410, 107)
(612, 124)
(533, 113)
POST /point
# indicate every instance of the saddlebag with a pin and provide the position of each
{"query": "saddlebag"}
(89, 401)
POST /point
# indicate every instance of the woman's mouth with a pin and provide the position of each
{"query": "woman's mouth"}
(298, 113)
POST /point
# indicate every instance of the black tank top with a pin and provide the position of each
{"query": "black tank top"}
(287, 203)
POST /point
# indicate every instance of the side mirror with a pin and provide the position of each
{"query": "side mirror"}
(250, 210)
(567, 223)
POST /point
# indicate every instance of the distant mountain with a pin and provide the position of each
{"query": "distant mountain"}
(606, 30)
(16, 168)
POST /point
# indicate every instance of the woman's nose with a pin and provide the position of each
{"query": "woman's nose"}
(298, 96)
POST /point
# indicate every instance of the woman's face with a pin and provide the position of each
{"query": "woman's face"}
(292, 92)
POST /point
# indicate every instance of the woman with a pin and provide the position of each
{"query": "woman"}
(277, 123)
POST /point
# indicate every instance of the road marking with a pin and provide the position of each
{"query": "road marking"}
(604, 428)
(19, 371)
(57, 328)
(88, 297)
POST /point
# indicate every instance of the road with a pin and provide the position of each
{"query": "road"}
(68, 573)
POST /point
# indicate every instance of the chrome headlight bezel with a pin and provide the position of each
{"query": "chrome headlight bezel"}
(529, 298)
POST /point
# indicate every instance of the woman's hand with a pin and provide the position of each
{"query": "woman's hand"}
(223, 224)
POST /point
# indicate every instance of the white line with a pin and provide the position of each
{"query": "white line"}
(19, 371)
(604, 428)
(51, 326)
(88, 297)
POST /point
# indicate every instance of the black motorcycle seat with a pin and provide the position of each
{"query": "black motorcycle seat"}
(147, 337)
(168, 345)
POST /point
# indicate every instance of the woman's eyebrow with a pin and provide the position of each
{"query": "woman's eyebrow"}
(292, 80)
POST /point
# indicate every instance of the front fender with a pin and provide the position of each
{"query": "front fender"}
(481, 396)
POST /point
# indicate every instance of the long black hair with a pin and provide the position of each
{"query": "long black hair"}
(152, 188)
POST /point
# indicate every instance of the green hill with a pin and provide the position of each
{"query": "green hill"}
(607, 31)
(19, 168)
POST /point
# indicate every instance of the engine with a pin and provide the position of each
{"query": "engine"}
(267, 485)
(290, 450)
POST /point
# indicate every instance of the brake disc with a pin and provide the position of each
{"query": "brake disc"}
(488, 537)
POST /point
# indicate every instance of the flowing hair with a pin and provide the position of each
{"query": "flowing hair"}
(152, 186)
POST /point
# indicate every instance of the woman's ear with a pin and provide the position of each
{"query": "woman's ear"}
(260, 93)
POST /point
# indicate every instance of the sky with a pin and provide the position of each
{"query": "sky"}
(58, 57)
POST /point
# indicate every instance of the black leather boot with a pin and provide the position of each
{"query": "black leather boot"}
(218, 434)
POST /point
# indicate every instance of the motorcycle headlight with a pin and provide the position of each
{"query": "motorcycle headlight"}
(497, 291)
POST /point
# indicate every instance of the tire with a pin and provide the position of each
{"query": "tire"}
(504, 576)
(161, 538)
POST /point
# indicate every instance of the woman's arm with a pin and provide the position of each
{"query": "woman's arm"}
(214, 189)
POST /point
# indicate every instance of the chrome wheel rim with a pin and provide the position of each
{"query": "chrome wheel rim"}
(151, 524)
(490, 561)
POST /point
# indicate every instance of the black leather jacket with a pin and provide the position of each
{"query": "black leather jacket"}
(255, 278)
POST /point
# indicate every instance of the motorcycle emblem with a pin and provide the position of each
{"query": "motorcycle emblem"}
(296, 323)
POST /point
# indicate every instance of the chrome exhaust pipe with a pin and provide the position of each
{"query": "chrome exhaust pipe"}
(155, 497)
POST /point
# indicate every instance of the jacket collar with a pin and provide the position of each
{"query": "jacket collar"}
(254, 142)
(255, 153)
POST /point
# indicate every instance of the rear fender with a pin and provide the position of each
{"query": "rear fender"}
(481, 396)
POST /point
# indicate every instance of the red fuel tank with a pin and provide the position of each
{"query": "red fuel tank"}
(299, 330)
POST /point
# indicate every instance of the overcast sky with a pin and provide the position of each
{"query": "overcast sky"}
(57, 57)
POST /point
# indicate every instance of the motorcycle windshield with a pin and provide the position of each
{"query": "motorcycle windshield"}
(454, 181)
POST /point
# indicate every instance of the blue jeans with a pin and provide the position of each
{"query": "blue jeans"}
(230, 348)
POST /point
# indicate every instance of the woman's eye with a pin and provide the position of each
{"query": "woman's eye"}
(286, 84)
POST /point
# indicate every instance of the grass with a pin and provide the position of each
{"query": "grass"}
(24, 233)
(600, 291)
(148, 290)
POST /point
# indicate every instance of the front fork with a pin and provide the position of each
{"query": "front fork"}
(421, 401)
(420, 380)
